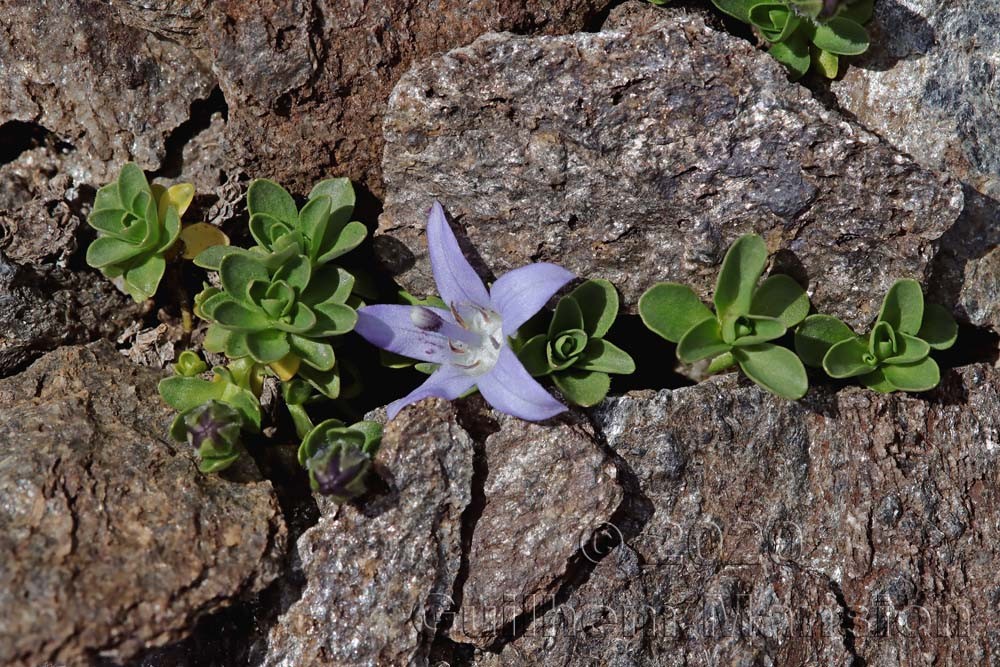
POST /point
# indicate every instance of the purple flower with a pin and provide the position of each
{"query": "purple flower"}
(469, 339)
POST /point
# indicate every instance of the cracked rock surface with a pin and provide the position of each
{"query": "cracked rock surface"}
(639, 154)
(844, 528)
(111, 541)
(378, 580)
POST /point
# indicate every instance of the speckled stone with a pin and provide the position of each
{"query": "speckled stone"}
(638, 154)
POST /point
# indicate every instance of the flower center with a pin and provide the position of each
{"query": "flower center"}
(478, 352)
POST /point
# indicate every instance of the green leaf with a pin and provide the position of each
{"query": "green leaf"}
(313, 352)
(564, 350)
(938, 328)
(848, 358)
(235, 315)
(920, 376)
(721, 363)
(142, 279)
(909, 349)
(566, 318)
(339, 190)
(604, 356)
(185, 393)
(882, 342)
(108, 221)
(264, 196)
(301, 319)
(237, 271)
(810, 8)
(372, 432)
(774, 368)
(211, 258)
(172, 227)
(268, 346)
(793, 53)
(774, 19)
(671, 310)
(598, 302)
(741, 269)
(132, 183)
(266, 229)
(107, 198)
(782, 298)
(296, 272)
(876, 382)
(841, 36)
(903, 307)
(859, 11)
(105, 251)
(739, 9)
(208, 466)
(826, 63)
(313, 220)
(701, 341)
(328, 284)
(583, 388)
(534, 357)
(764, 329)
(816, 335)
(340, 241)
(325, 382)
(333, 319)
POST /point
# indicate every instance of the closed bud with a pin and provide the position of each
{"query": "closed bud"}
(213, 429)
(339, 471)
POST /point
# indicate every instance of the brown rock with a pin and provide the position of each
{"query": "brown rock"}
(111, 540)
(111, 91)
(379, 578)
(638, 155)
(548, 488)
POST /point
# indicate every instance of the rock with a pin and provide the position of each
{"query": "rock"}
(847, 528)
(111, 540)
(44, 307)
(928, 85)
(638, 155)
(547, 489)
(379, 576)
(113, 92)
(41, 231)
(307, 82)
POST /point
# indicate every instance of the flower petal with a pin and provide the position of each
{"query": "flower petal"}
(448, 382)
(510, 389)
(519, 294)
(457, 281)
(392, 328)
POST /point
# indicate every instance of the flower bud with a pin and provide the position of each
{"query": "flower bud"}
(339, 470)
(213, 429)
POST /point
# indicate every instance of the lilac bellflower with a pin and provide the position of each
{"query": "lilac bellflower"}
(469, 340)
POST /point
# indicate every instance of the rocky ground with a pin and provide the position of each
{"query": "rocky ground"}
(674, 524)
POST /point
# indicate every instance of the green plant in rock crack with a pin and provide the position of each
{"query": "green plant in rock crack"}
(321, 231)
(212, 413)
(339, 457)
(281, 311)
(804, 33)
(573, 350)
(136, 229)
(895, 355)
(747, 317)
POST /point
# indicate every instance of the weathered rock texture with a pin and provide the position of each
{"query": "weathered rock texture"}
(929, 86)
(45, 307)
(547, 489)
(639, 155)
(110, 539)
(848, 528)
(113, 92)
(378, 580)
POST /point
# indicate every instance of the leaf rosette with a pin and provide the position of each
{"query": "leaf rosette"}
(280, 314)
(895, 355)
(339, 457)
(137, 225)
(746, 320)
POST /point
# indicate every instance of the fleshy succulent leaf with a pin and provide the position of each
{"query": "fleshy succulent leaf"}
(793, 53)
(920, 376)
(703, 340)
(533, 355)
(938, 328)
(604, 356)
(583, 388)
(142, 280)
(848, 358)
(671, 310)
(741, 269)
(267, 345)
(199, 237)
(903, 307)
(567, 316)
(841, 36)
(762, 330)
(910, 349)
(264, 196)
(816, 335)
(598, 302)
(774, 368)
(782, 298)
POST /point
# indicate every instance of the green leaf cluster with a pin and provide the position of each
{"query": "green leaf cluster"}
(282, 301)
(339, 457)
(213, 429)
(746, 318)
(573, 350)
(804, 33)
(895, 353)
(136, 225)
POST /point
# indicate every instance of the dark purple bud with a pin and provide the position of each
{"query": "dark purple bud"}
(339, 471)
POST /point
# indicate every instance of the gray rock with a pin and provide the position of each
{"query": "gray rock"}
(111, 540)
(639, 155)
(547, 489)
(111, 91)
(379, 577)
(44, 307)
(846, 527)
